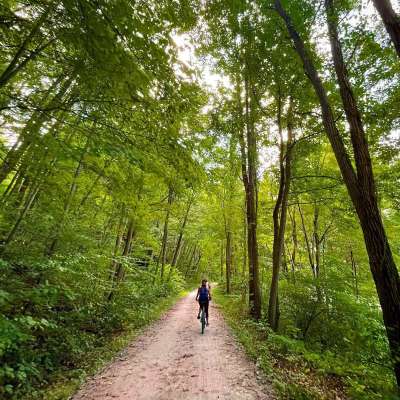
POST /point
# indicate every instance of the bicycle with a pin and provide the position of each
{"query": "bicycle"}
(203, 318)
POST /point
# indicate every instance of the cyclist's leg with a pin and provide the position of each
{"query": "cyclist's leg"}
(201, 307)
(206, 309)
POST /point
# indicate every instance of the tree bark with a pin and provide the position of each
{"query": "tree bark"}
(13, 67)
(295, 243)
(181, 232)
(119, 269)
(307, 240)
(317, 242)
(118, 241)
(360, 187)
(228, 260)
(279, 217)
(163, 252)
(249, 176)
(222, 260)
(391, 21)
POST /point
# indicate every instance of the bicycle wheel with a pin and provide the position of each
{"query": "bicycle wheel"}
(203, 320)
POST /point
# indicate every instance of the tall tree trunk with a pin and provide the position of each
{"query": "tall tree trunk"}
(37, 182)
(279, 218)
(31, 131)
(190, 261)
(295, 243)
(221, 260)
(228, 260)
(360, 186)
(181, 232)
(119, 269)
(67, 204)
(28, 204)
(163, 252)
(391, 21)
(307, 241)
(15, 64)
(118, 241)
(317, 241)
(244, 243)
(249, 177)
(10, 187)
(382, 264)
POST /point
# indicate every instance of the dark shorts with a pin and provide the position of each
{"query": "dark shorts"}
(205, 305)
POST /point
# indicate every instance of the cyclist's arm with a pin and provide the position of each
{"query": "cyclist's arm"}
(197, 295)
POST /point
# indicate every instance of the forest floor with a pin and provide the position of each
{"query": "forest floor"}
(172, 360)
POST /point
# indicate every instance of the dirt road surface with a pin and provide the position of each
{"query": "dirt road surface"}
(171, 360)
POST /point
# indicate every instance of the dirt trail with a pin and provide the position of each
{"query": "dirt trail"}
(172, 360)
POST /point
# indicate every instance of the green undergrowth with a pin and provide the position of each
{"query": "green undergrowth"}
(68, 382)
(295, 371)
(63, 319)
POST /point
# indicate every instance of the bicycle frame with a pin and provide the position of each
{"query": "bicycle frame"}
(203, 318)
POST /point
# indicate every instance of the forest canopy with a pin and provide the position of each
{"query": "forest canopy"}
(145, 145)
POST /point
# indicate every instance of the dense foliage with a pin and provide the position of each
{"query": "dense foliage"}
(126, 172)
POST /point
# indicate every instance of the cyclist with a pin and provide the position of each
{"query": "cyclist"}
(203, 297)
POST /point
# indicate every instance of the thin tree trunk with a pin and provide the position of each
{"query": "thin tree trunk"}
(119, 270)
(222, 260)
(249, 177)
(189, 265)
(279, 217)
(295, 242)
(244, 244)
(197, 262)
(273, 312)
(67, 204)
(163, 252)
(26, 208)
(181, 232)
(307, 240)
(37, 182)
(118, 241)
(228, 260)
(10, 187)
(317, 242)
(15, 65)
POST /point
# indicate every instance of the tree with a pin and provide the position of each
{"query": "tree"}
(391, 21)
(360, 184)
(280, 211)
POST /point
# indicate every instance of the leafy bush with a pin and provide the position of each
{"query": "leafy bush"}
(52, 313)
(345, 351)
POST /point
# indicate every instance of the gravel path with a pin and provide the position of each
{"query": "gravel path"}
(171, 360)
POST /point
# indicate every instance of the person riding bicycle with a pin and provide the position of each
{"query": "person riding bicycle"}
(203, 297)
